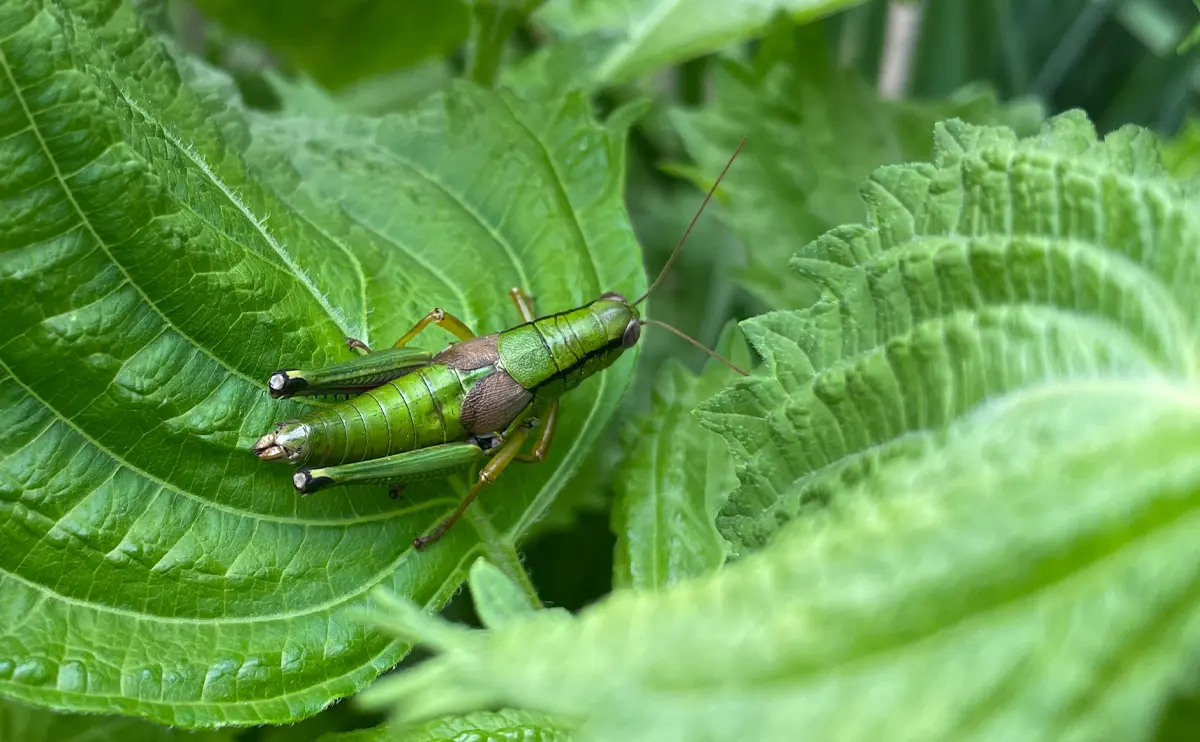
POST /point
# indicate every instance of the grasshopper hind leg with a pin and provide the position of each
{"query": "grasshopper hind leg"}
(488, 474)
(348, 377)
(393, 471)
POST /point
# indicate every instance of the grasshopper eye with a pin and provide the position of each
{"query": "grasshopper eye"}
(633, 331)
(613, 295)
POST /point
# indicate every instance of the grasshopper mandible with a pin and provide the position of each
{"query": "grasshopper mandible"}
(415, 415)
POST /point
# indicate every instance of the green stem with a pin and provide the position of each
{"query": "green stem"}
(1012, 48)
(501, 552)
(1071, 47)
(904, 21)
(692, 75)
(852, 38)
(490, 29)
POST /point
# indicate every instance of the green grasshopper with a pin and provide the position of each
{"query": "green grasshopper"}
(411, 415)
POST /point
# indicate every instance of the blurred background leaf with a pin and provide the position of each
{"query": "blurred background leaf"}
(341, 43)
(21, 723)
(657, 33)
(814, 132)
(484, 726)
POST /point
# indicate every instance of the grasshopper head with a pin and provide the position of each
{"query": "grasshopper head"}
(620, 319)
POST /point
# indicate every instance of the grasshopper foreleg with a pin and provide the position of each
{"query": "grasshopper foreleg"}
(523, 303)
(442, 319)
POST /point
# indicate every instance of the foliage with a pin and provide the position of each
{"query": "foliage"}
(999, 265)
(153, 278)
(994, 401)
(795, 181)
(791, 638)
(956, 497)
(674, 480)
(494, 726)
(22, 723)
(646, 34)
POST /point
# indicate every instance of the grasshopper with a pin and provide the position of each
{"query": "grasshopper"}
(411, 415)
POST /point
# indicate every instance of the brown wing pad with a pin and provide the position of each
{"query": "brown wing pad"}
(493, 403)
(471, 354)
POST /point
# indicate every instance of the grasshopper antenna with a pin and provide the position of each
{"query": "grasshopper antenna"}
(686, 232)
(696, 343)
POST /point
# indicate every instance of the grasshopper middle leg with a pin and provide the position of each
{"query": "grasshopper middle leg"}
(541, 446)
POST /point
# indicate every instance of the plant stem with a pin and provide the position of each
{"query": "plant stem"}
(899, 47)
(1012, 47)
(501, 552)
(1072, 45)
(692, 76)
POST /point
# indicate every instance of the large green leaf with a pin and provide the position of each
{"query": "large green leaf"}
(648, 34)
(1004, 263)
(151, 278)
(674, 479)
(814, 132)
(1037, 577)
(21, 723)
(1181, 153)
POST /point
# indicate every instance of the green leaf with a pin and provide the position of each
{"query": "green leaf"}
(1181, 719)
(491, 726)
(341, 43)
(21, 723)
(1036, 577)
(1193, 36)
(649, 34)
(380, 95)
(1004, 263)
(813, 133)
(498, 600)
(1181, 153)
(163, 253)
(675, 480)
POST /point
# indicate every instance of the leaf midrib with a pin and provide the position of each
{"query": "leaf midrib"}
(334, 315)
(393, 566)
(86, 223)
(542, 501)
(324, 606)
(126, 464)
